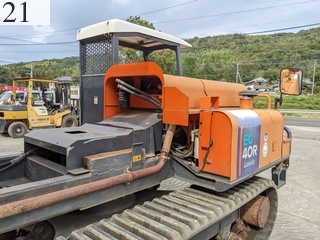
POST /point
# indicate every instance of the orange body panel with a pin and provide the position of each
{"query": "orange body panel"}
(272, 124)
(136, 73)
(242, 141)
(286, 147)
(218, 142)
(180, 96)
(225, 95)
(234, 141)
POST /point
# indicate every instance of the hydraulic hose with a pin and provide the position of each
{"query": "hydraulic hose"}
(16, 160)
(48, 199)
(139, 95)
(137, 90)
(183, 153)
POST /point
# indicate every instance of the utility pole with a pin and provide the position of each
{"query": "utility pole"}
(31, 72)
(237, 74)
(314, 74)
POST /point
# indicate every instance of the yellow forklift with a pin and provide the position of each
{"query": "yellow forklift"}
(37, 111)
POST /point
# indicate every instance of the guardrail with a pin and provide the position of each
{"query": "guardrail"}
(300, 113)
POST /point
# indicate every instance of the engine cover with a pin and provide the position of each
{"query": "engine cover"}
(236, 143)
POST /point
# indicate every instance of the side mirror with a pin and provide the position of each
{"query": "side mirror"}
(291, 81)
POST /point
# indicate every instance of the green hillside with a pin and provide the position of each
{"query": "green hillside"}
(212, 58)
(47, 69)
(257, 56)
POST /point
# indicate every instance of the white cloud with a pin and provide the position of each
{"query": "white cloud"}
(41, 33)
(122, 2)
(199, 18)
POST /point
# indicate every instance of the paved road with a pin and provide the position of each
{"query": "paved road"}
(303, 122)
(298, 212)
(10, 146)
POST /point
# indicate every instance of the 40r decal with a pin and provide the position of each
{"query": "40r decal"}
(249, 128)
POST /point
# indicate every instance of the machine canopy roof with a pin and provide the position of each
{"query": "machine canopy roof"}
(131, 34)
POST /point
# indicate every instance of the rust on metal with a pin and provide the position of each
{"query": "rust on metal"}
(240, 229)
(174, 212)
(233, 236)
(48, 199)
(256, 212)
(106, 154)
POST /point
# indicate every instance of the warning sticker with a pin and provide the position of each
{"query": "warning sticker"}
(136, 158)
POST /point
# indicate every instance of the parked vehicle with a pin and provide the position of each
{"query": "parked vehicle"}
(23, 113)
(6, 97)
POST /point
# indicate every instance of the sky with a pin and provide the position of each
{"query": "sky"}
(181, 18)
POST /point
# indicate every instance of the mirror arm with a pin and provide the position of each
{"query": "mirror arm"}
(278, 101)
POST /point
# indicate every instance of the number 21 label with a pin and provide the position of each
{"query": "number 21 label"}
(25, 12)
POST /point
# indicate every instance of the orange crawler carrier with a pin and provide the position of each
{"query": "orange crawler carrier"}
(232, 139)
(140, 127)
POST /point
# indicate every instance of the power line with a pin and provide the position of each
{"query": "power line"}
(15, 39)
(72, 29)
(174, 6)
(265, 23)
(39, 34)
(162, 9)
(37, 44)
(282, 29)
(221, 14)
(235, 12)
(61, 43)
(45, 51)
(3, 61)
(262, 63)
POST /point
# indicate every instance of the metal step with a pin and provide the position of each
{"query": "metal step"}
(178, 215)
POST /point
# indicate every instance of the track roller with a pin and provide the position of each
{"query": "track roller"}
(194, 214)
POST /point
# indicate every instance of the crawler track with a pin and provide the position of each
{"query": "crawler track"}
(183, 214)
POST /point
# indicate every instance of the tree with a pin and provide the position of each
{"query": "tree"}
(165, 59)
(137, 20)
(4, 76)
(128, 55)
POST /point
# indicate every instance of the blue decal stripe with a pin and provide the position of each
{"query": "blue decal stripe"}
(240, 151)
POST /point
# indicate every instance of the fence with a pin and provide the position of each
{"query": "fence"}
(300, 113)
